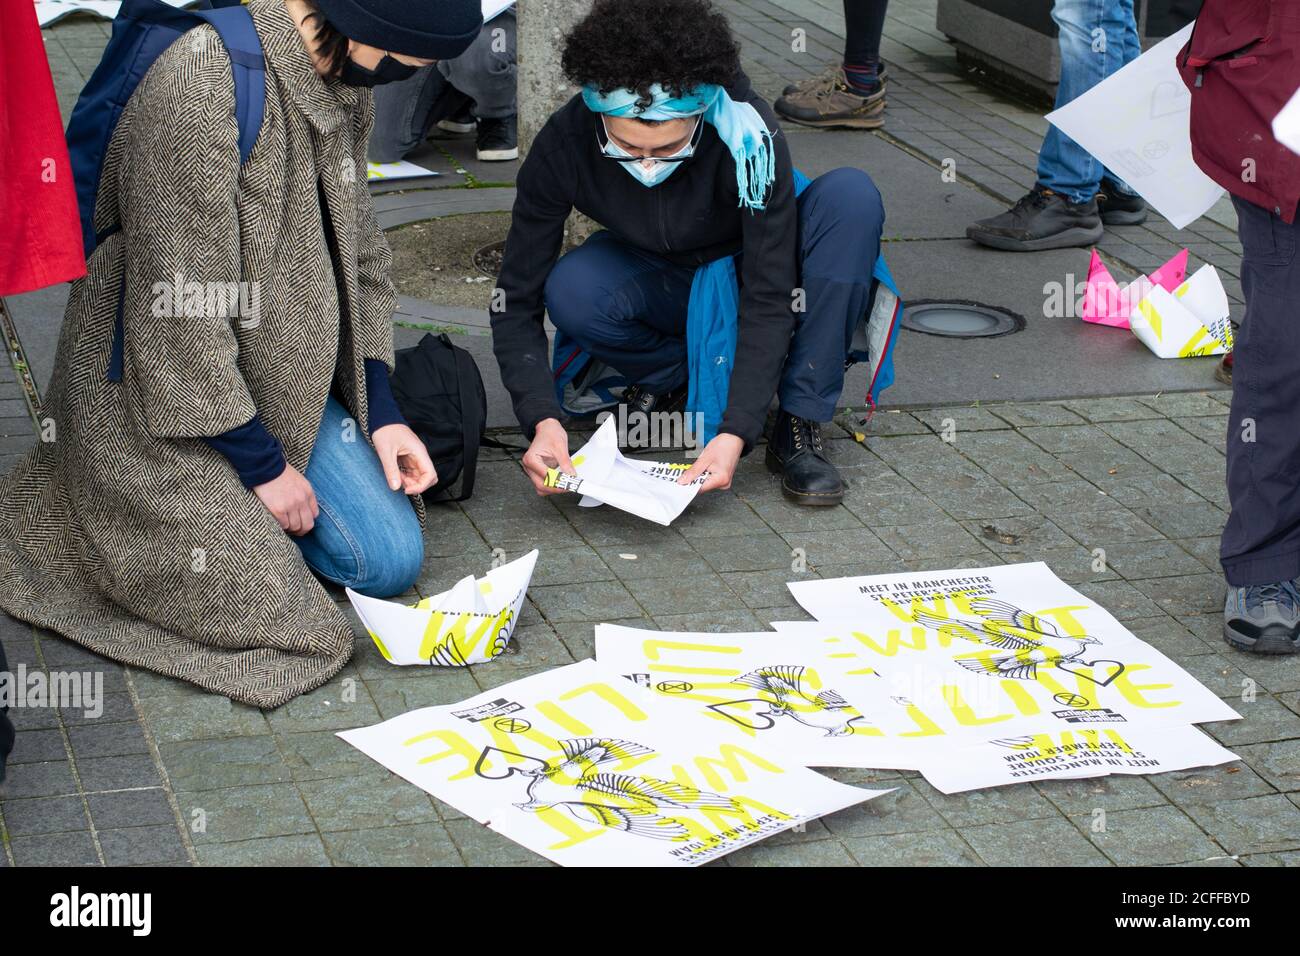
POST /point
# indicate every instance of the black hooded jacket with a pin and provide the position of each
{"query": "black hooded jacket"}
(691, 218)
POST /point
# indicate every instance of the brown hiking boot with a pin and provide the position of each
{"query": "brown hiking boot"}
(829, 77)
(834, 104)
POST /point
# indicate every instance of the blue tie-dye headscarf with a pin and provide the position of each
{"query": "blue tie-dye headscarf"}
(739, 126)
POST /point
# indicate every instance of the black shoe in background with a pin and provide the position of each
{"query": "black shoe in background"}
(498, 139)
(1119, 209)
(1041, 220)
(795, 452)
(639, 399)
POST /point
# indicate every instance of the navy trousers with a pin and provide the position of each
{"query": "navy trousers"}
(627, 307)
(1261, 542)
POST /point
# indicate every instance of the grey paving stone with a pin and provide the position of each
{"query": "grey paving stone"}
(225, 762)
(55, 849)
(364, 801)
(341, 704)
(763, 589)
(235, 814)
(570, 566)
(762, 551)
(994, 805)
(850, 546)
(130, 808)
(416, 844)
(811, 853)
(701, 592)
(902, 811)
(1149, 836)
(36, 746)
(1085, 797)
(200, 717)
(1034, 534)
(1254, 825)
(1201, 785)
(1278, 762)
(935, 848)
(297, 850)
(1264, 719)
(30, 817)
(936, 541)
(714, 621)
(585, 602)
(107, 740)
(140, 846)
(1030, 414)
(674, 558)
(51, 778)
(118, 773)
(953, 420)
(1032, 843)
(480, 846)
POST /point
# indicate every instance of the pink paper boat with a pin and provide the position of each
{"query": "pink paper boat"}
(1105, 303)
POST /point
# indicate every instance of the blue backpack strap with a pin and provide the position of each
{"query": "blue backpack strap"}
(142, 32)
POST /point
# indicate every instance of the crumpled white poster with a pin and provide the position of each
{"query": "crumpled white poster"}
(760, 688)
(469, 624)
(1138, 122)
(578, 766)
(997, 645)
(647, 489)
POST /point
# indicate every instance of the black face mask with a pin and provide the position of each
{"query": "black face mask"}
(389, 70)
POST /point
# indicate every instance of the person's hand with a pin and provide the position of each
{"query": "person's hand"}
(550, 449)
(290, 500)
(406, 461)
(719, 459)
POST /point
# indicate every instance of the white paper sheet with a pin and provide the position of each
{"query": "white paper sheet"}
(579, 767)
(494, 8)
(759, 689)
(1286, 125)
(1072, 754)
(998, 646)
(647, 489)
(400, 170)
(469, 624)
(1138, 122)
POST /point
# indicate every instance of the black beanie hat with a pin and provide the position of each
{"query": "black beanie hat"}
(428, 29)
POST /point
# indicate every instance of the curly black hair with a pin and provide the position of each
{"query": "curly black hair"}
(634, 44)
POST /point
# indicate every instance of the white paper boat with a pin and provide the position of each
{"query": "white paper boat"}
(470, 624)
(647, 489)
(1190, 321)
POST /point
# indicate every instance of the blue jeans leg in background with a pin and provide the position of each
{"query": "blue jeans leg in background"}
(367, 536)
(1098, 37)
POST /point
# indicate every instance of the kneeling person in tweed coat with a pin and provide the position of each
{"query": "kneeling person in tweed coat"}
(190, 483)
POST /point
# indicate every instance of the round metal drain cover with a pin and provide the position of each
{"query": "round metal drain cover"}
(960, 320)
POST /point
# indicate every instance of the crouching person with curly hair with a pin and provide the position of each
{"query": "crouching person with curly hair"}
(670, 150)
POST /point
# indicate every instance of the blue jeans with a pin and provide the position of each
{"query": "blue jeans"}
(1098, 37)
(367, 536)
(627, 307)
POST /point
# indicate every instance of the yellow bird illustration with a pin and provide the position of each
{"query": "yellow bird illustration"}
(784, 683)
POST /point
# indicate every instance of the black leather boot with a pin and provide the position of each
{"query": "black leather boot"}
(795, 453)
(1042, 220)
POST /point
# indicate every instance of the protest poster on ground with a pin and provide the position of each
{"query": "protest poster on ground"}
(578, 766)
(758, 688)
(1015, 639)
(1138, 122)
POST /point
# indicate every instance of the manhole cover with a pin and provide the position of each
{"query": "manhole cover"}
(961, 320)
(488, 259)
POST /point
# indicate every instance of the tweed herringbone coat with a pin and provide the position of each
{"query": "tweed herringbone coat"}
(123, 530)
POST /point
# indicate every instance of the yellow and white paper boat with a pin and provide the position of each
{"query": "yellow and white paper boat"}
(1190, 321)
(470, 624)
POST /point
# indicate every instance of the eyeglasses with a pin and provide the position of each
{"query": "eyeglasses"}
(686, 152)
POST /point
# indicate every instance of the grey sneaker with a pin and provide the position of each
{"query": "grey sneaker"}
(1264, 619)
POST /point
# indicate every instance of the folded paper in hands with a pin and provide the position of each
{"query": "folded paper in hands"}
(647, 489)
(470, 624)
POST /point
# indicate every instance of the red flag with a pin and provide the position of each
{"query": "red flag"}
(40, 234)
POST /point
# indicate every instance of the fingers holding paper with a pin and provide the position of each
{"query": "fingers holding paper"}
(717, 463)
(547, 458)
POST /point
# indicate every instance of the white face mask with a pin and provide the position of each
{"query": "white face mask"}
(649, 172)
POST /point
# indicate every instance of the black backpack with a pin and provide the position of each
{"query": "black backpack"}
(440, 392)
